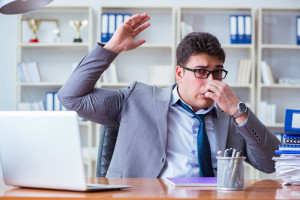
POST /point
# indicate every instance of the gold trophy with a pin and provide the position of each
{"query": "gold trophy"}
(78, 25)
(34, 25)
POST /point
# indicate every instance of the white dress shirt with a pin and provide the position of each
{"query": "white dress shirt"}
(182, 154)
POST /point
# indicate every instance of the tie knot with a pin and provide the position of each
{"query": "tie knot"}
(200, 117)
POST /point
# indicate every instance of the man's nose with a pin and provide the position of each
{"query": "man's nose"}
(210, 77)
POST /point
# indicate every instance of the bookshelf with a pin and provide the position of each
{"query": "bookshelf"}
(277, 46)
(212, 20)
(56, 58)
(159, 48)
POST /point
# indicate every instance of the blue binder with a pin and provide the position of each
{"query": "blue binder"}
(248, 29)
(104, 28)
(233, 28)
(241, 29)
(109, 24)
(288, 149)
(292, 122)
(298, 29)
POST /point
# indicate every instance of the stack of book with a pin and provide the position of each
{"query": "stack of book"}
(244, 71)
(266, 73)
(287, 165)
(29, 72)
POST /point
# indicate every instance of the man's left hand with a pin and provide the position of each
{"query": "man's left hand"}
(223, 95)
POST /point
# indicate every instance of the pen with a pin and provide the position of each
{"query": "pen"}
(234, 171)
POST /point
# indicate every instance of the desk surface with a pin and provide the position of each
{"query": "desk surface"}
(156, 189)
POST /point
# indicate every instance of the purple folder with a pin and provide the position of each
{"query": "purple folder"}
(192, 181)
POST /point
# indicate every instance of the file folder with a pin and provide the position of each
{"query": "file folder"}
(104, 28)
(292, 122)
(119, 20)
(248, 29)
(49, 101)
(241, 29)
(233, 29)
(111, 24)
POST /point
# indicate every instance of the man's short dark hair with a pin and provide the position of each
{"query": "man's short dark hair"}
(198, 42)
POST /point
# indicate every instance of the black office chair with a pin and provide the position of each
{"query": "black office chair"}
(107, 144)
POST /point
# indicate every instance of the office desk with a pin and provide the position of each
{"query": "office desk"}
(151, 189)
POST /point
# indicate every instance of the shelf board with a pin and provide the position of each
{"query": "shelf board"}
(276, 85)
(158, 45)
(237, 46)
(236, 85)
(40, 84)
(125, 84)
(53, 45)
(280, 46)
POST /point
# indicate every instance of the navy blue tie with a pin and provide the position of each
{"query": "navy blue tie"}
(204, 154)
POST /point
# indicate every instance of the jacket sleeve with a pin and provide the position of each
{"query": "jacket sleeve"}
(95, 104)
(260, 144)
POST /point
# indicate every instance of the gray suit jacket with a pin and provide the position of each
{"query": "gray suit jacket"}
(140, 113)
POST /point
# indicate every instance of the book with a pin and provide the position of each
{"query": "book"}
(192, 181)
(270, 74)
(29, 72)
(185, 29)
(241, 70)
(247, 72)
(264, 73)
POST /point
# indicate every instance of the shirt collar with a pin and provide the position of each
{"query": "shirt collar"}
(175, 97)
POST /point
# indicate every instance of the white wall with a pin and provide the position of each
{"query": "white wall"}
(8, 32)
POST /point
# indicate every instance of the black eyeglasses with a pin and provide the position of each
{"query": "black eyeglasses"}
(218, 74)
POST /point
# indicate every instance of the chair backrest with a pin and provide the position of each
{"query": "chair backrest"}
(107, 144)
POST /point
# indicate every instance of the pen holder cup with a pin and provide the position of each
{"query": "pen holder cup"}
(230, 173)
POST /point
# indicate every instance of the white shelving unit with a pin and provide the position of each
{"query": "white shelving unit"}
(56, 60)
(159, 48)
(213, 20)
(277, 46)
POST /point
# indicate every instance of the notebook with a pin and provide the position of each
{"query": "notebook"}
(42, 149)
(192, 181)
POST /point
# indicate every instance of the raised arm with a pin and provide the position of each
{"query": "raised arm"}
(78, 93)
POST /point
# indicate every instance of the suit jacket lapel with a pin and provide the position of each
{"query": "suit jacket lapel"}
(221, 128)
(162, 102)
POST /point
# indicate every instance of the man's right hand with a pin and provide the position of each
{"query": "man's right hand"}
(123, 38)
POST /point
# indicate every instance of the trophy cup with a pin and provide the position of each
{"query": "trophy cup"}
(78, 25)
(34, 25)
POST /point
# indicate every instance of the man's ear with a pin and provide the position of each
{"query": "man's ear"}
(179, 74)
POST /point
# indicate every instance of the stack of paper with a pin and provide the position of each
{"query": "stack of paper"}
(288, 168)
(288, 164)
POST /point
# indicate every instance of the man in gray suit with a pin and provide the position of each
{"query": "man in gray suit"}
(158, 128)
